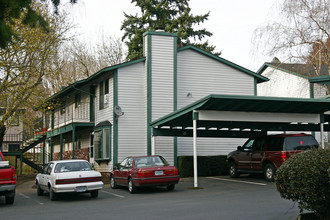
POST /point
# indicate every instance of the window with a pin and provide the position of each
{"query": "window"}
(77, 100)
(104, 94)
(102, 143)
(248, 145)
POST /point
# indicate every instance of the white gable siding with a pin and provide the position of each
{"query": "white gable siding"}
(200, 76)
(283, 84)
(132, 139)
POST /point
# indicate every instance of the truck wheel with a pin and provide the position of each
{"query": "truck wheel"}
(10, 199)
(269, 172)
(233, 170)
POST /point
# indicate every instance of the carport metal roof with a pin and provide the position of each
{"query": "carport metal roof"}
(180, 122)
(242, 116)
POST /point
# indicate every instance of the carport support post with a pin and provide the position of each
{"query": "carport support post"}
(153, 142)
(322, 135)
(195, 117)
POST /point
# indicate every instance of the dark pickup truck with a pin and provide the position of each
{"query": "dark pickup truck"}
(7, 180)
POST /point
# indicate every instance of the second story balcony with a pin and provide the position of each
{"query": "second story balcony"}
(72, 113)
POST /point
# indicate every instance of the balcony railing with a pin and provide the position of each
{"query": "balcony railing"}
(72, 114)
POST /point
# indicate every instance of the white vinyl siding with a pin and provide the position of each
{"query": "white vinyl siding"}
(200, 76)
(132, 126)
(105, 114)
(208, 146)
(162, 75)
(162, 79)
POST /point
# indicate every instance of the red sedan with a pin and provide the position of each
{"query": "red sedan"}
(144, 171)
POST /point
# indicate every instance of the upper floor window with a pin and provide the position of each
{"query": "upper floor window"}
(104, 94)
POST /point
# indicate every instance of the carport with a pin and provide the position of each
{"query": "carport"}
(243, 117)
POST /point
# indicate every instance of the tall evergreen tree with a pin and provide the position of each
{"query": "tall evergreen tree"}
(170, 15)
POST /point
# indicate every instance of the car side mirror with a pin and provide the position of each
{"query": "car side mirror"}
(239, 148)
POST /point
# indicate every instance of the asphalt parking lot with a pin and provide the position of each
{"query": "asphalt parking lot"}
(248, 197)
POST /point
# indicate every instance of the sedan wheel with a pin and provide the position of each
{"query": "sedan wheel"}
(113, 184)
(94, 194)
(131, 187)
(233, 170)
(269, 172)
(170, 187)
(40, 192)
(52, 194)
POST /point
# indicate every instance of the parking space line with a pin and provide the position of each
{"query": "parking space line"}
(237, 181)
(114, 194)
(28, 197)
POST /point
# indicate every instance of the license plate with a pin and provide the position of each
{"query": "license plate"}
(81, 189)
(159, 172)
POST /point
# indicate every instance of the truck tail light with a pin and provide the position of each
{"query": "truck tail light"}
(14, 175)
(284, 156)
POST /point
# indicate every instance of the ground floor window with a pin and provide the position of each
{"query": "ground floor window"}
(102, 143)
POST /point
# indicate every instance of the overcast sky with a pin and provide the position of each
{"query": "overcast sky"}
(231, 22)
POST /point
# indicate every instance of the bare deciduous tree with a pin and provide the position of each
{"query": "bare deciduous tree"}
(300, 34)
(25, 63)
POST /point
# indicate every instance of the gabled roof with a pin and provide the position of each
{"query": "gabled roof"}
(259, 78)
(298, 69)
(83, 82)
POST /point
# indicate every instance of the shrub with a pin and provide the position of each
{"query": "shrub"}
(304, 178)
(206, 165)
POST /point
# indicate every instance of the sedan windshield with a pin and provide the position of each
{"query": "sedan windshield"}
(149, 162)
(72, 167)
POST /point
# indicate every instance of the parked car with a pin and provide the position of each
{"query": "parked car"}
(64, 176)
(7, 180)
(266, 154)
(144, 171)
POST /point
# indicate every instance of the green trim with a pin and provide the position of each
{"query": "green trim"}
(115, 122)
(255, 86)
(61, 146)
(67, 128)
(320, 80)
(259, 78)
(195, 116)
(322, 118)
(149, 95)
(101, 128)
(253, 103)
(175, 94)
(159, 33)
(73, 139)
(311, 90)
(265, 65)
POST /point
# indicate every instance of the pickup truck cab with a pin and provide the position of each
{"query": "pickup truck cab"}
(7, 180)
